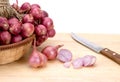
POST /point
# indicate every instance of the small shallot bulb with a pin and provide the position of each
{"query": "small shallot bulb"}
(28, 18)
(64, 55)
(51, 51)
(5, 37)
(4, 23)
(25, 7)
(37, 59)
(40, 30)
(16, 38)
(27, 29)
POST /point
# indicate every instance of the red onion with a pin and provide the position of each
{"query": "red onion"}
(40, 30)
(13, 21)
(48, 22)
(64, 55)
(25, 7)
(28, 18)
(16, 39)
(37, 59)
(15, 29)
(51, 51)
(36, 12)
(77, 63)
(41, 39)
(5, 37)
(44, 14)
(51, 33)
(35, 6)
(27, 29)
(4, 23)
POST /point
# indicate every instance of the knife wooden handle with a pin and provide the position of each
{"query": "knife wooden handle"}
(111, 54)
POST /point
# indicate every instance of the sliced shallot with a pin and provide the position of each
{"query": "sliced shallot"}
(64, 55)
(67, 64)
(77, 63)
(89, 60)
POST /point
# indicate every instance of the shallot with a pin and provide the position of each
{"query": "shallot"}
(51, 51)
(4, 23)
(25, 7)
(37, 59)
(27, 29)
(51, 33)
(16, 38)
(40, 30)
(5, 37)
(64, 55)
(48, 22)
(28, 18)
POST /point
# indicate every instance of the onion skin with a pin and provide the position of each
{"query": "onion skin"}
(51, 51)
(44, 13)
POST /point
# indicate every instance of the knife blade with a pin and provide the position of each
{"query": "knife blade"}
(96, 48)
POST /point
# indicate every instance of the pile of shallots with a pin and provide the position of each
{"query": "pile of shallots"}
(34, 21)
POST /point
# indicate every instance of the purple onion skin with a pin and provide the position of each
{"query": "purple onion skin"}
(27, 30)
(4, 24)
(5, 37)
(16, 39)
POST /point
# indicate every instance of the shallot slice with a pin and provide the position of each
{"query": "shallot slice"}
(64, 55)
(89, 60)
(67, 64)
(77, 63)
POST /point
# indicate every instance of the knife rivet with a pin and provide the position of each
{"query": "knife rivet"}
(114, 53)
(106, 49)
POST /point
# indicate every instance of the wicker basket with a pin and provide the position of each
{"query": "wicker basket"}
(12, 52)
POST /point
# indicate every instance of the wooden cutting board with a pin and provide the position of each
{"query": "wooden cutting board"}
(105, 70)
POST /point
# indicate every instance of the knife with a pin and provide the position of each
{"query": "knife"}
(98, 49)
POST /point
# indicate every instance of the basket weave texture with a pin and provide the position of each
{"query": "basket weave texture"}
(12, 52)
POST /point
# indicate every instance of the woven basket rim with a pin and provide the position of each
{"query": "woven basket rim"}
(27, 40)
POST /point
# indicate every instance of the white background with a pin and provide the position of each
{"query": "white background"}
(83, 16)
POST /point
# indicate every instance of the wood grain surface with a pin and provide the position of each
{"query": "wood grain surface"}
(105, 70)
